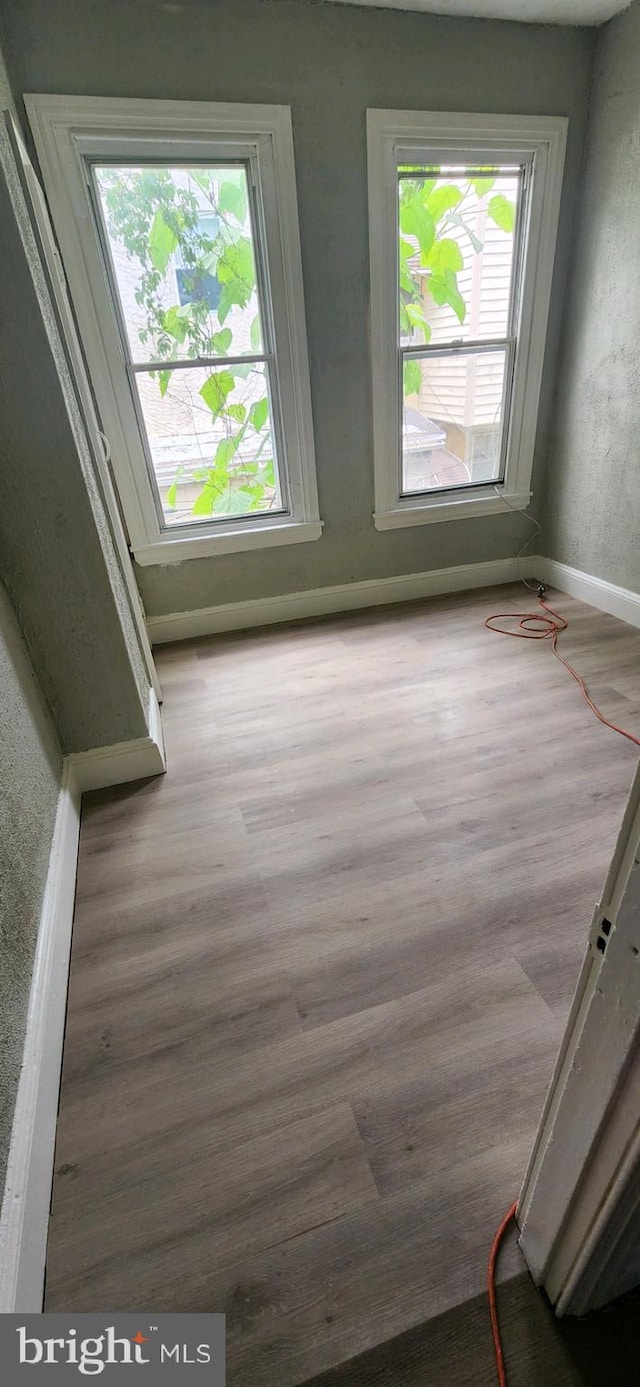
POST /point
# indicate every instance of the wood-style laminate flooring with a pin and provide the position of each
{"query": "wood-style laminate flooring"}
(455, 1349)
(320, 972)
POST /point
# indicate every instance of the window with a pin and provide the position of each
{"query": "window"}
(178, 228)
(463, 216)
(192, 310)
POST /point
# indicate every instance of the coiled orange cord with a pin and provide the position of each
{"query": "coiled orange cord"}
(491, 1287)
(534, 626)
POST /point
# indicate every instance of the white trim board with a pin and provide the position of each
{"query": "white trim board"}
(25, 1208)
(620, 602)
(125, 761)
(24, 1219)
(374, 592)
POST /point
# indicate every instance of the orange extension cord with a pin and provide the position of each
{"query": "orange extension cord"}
(535, 626)
(491, 1287)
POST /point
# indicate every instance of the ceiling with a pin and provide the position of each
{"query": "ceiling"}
(527, 11)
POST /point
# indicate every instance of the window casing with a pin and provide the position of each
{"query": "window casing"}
(457, 362)
(179, 408)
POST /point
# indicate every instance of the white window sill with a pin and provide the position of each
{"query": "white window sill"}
(421, 512)
(180, 547)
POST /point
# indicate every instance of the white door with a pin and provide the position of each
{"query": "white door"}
(579, 1209)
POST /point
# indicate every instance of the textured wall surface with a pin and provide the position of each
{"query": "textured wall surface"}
(6, 94)
(56, 555)
(30, 763)
(592, 505)
(329, 63)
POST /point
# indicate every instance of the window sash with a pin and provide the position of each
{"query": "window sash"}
(523, 170)
(460, 346)
(195, 526)
(266, 357)
(478, 348)
(250, 165)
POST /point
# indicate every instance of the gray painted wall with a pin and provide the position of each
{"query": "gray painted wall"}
(329, 63)
(7, 102)
(592, 511)
(56, 555)
(30, 764)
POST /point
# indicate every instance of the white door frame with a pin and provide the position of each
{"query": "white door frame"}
(98, 445)
(582, 1188)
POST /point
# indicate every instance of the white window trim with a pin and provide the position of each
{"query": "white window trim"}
(540, 139)
(66, 130)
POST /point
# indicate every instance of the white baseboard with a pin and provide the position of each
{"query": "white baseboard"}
(620, 602)
(379, 592)
(25, 1208)
(376, 592)
(24, 1218)
(124, 761)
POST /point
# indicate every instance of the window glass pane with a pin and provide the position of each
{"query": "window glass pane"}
(210, 440)
(452, 420)
(456, 253)
(182, 253)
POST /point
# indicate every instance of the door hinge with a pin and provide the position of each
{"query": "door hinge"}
(600, 932)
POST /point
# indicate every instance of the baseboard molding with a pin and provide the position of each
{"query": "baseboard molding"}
(25, 1208)
(379, 592)
(124, 761)
(620, 602)
(24, 1218)
(293, 606)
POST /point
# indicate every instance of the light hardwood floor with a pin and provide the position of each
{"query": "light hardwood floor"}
(320, 972)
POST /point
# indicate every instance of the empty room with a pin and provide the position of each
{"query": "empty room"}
(320, 676)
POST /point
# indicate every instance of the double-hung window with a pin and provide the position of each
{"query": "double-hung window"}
(178, 229)
(462, 221)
